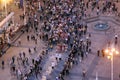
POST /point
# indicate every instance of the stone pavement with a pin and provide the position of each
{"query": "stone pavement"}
(94, 64)
(15, 50)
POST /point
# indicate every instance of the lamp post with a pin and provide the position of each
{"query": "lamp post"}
(111, 52)
(24, 3)
(112, 66)
(5, 3)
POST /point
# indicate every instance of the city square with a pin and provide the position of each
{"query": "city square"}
(59, 40)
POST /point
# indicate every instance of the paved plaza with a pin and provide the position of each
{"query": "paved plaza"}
(96, 67)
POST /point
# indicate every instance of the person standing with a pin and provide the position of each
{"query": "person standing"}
(116, 39)
(13, 59)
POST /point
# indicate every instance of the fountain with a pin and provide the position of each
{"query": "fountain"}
(101, 26)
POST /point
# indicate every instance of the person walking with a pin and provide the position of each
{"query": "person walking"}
(19, 41)
(29, 50)
(28, 37)
(24, 55)
(103, 53)
(19, 74)
(83, 74)
(98, 53)
(35, 50)
(3, 64)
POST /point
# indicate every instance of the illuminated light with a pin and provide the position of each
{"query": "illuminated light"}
(108, 57)
(106, 51)
(117, 52)
(113, 50)
(111, 53)
(7, 1)
(3, 2)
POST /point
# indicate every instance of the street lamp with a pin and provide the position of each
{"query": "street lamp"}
(24, 3)
(5, 2)
(111, 51)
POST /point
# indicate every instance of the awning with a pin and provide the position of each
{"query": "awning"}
(4, 22)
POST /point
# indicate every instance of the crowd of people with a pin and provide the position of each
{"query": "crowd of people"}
(64, 25)
(63, 28)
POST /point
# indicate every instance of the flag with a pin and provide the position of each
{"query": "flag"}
(21, 3)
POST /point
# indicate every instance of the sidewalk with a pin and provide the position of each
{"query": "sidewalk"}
(16, 19)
